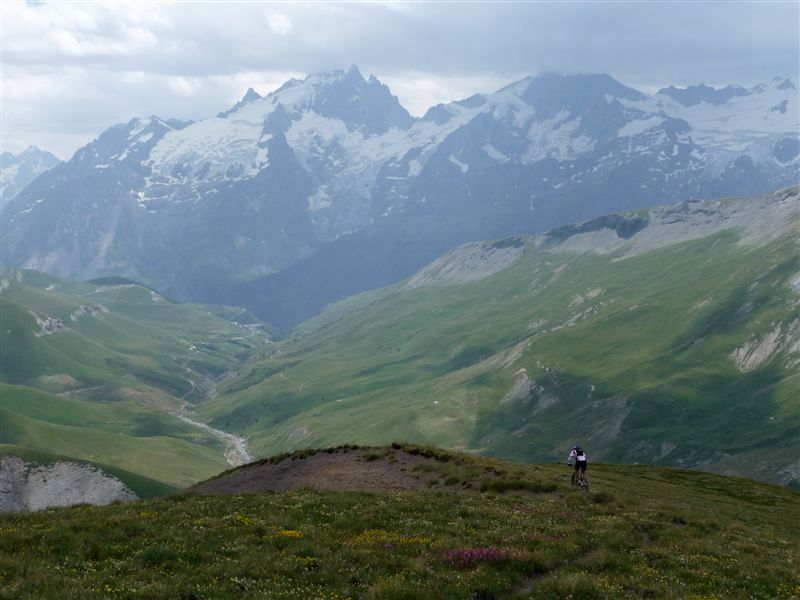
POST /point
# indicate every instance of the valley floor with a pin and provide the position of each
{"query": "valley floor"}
(236, 452)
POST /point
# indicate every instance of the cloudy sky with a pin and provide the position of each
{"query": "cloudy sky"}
(72, 69)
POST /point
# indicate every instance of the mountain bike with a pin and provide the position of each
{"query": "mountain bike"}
(579, 480)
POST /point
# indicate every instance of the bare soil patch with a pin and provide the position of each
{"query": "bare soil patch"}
(361, 470)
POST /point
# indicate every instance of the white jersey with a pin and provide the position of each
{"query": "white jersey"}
(576, 457)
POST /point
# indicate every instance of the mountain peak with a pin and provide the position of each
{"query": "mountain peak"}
(18, 170)
(354, 73)
(137, 126)
(695, 94)
(250, 96)
(336, 77)
(28, 153)
(362, 104)
(550, 93)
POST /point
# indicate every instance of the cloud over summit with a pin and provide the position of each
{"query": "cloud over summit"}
(70, 69)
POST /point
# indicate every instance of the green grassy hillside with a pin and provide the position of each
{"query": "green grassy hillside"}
(678, 353)
(95, 372)
(641, 532)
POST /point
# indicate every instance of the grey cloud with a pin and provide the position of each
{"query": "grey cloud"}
(116, 61)
(629, 39)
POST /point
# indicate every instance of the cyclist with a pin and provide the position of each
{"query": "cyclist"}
(579, 456)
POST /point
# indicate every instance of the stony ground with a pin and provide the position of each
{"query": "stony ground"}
(25, 486)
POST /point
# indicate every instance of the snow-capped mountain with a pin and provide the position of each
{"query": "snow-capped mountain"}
(18, 170)
(331, 171)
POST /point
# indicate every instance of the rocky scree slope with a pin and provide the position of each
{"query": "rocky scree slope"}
(28, 487)
(327, 186)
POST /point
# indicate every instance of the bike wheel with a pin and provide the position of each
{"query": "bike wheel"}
(585, 484)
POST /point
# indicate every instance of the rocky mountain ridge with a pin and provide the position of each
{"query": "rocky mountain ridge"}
(334, 159)
(17, 171)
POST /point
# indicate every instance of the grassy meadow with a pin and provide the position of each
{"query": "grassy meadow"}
(103, 385)
(640, 532)
(630, 355)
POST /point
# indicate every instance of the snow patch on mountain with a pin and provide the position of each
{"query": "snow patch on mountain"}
(31, 206)
(556, 138)
(638, 127)
(217, 148)
(494, 153)
(300, 94)
(350, 160)
(139, 125)
(744, 124)
(319, 200)
(414, 168)
(137, 140)
(463, 167)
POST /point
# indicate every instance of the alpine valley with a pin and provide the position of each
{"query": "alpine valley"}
(668, 335)
(565, 258)
(105, 374)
